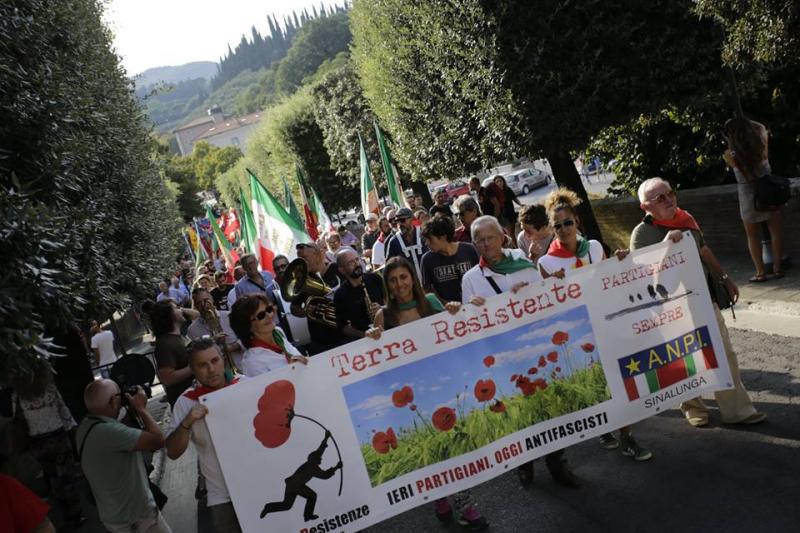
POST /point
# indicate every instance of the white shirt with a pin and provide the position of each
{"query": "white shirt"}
(231, 297)
(259, 360)
(474, 282)
(104, 343)
(552, 264)
(206, 453)
(378, 250)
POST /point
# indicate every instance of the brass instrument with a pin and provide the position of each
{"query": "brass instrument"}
(297, 285)
(367, 300)
(211, 318)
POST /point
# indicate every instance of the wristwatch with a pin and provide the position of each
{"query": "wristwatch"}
(724, 277)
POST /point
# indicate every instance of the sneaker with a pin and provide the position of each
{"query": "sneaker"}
(472, 519)
(444, 513)
(609, 442)
(631, 449)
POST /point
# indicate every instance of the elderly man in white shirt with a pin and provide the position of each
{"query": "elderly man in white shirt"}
(502, 270)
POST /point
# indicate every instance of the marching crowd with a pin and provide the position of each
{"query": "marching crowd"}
(214, 327)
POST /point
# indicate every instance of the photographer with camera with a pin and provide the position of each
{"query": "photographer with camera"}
(111, 457)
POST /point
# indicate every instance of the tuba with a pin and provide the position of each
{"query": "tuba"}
(296, 285)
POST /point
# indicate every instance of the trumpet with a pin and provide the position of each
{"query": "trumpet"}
(297, 285)
(211, 318)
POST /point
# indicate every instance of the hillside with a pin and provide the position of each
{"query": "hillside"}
(175, 74)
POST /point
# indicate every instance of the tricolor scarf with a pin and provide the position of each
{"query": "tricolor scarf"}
(196, 392)
(278, 346)
(558, 249)
(681, 220)
(507, 265)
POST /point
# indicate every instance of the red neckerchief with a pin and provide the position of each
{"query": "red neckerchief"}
(681, 220)
(258, 343)
(195, 393)
(557, 249)
(382, 237)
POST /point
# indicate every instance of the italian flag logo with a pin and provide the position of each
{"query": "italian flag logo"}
(656, 368)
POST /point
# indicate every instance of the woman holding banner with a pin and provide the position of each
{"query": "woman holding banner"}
(407, 302)
(267, 346)
(502, 270)
(568, 251)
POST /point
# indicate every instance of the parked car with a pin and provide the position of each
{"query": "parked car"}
(524, 181)
(453, 190)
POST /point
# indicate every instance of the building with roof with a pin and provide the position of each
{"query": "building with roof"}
(216, 129)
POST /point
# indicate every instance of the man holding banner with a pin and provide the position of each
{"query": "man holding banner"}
(666, 221)
(505, 270)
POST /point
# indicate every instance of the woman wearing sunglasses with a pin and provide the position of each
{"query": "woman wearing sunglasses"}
(267, 346)
(406, 302)
(568, 251)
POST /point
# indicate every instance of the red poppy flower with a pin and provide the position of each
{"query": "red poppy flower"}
(275, 413)
(514, 378)
(552, 357)
(488, 361)
(558, 369)
(382, 442)
(587, 347)
(532, 370)
(403, 397)
(413, 407)
(444, 418)
(542, 361)
(498, 407)
(485, 390)
(527, 388)
(540, 383)
(560, 337)
(522, 379)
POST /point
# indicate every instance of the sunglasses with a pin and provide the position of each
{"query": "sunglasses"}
(567, 223)
(663, 197)
(261, 315)
(303, 246)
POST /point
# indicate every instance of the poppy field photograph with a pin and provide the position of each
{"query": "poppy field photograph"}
(460, 400)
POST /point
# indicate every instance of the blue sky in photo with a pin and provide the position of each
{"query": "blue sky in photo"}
(439, 379)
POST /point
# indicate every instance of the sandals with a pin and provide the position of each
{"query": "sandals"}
(758, 278)
(778, 275)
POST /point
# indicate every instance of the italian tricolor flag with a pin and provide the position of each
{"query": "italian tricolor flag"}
(277, 232)
(656, 368)
(392, 178)
(224, 245)
(369, 196)
(309, 209)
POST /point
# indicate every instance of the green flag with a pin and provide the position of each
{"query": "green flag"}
(291, 207)
(222, 243)
(249, 235)
(369, 196)
(395, 192)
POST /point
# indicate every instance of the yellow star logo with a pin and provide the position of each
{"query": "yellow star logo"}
(633, 366)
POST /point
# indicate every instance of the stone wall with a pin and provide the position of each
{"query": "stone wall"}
(716, 210)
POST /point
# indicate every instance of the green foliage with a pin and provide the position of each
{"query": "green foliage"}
(420, 445)
(342, 113)
(88, 223)
(211, 161)
(317, 41)
(757, 30)
(429, 70)
(168, 105)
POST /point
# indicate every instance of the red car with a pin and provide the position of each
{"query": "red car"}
(453, 190)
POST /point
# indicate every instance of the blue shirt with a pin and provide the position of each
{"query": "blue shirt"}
(247, 286)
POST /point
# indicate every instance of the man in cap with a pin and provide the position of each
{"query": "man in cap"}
(407, 241)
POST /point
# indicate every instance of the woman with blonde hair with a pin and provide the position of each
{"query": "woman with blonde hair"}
(570, 250)
(748, 156)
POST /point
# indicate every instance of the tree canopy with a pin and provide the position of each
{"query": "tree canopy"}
(87, 221)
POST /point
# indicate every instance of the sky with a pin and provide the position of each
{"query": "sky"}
(437, 380)
(155, 33)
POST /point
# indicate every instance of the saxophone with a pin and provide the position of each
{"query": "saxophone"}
(211, 318)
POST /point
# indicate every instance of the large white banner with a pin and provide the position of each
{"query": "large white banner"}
(374, 428)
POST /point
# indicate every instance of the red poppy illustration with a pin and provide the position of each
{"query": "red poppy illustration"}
(412, 407)
(532, 370)
(275, 413)
(558, 369)
(540, 384)
(444, 418)
(488, 361)
(527, 388)
(403, 397)
(485, 390)
(514, 377)
(498, 407)
(273, 423)
(587, 347)
(542, 361)
(552, 357)
(560, 337)
(383, 442)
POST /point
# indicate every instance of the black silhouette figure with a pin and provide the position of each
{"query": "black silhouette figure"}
(296, 484)
(630, 297)
(662, 290)
(651, 291)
